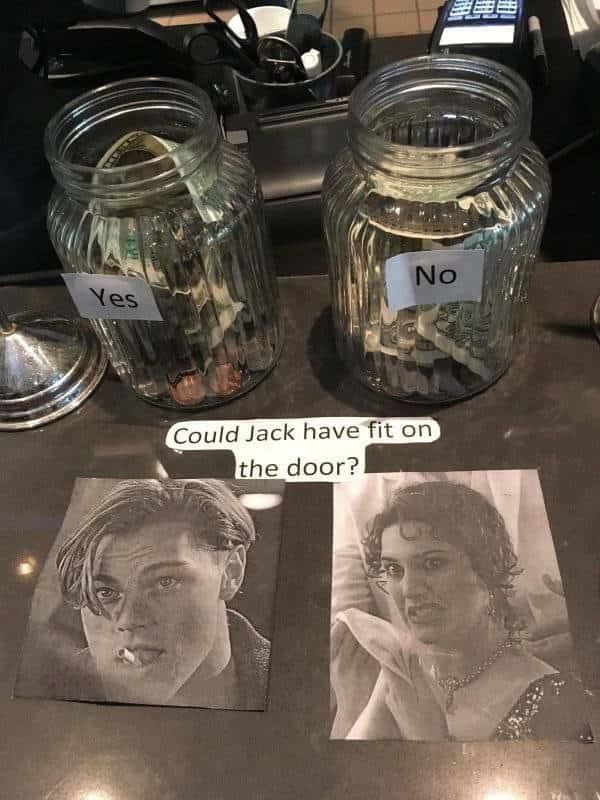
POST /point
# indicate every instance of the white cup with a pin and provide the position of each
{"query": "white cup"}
(268, 19)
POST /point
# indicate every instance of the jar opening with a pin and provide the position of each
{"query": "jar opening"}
(439, 113)
(174, 122)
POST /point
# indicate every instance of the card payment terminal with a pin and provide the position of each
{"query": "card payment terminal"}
(491, 28)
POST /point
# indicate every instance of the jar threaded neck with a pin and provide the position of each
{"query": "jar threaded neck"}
(80, 134)
(439, 118)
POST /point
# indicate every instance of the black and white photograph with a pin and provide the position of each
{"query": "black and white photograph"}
(449, 620)
(158, 592)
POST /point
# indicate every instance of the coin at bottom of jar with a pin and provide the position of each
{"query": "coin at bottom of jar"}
(225, 379)
(188, 389)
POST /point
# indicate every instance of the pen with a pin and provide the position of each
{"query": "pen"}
(540, 60)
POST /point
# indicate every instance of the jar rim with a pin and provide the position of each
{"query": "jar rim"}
(436, 69)
(73, 115)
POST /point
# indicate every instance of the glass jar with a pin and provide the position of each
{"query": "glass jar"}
(148, 189)
(433, 216)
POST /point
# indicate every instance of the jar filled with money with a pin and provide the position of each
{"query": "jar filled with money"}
(162, 223)
(433, 216)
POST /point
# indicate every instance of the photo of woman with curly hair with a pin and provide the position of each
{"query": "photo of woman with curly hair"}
(453, 662)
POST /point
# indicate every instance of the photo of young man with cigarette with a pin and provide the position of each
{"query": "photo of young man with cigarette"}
(150, 569)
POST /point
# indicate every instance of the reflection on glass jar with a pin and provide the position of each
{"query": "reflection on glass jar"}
(438, 163)
(148, 188)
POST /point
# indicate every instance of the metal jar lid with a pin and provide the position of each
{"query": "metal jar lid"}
(48, 366)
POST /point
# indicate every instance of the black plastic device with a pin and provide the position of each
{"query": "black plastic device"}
(494, 29)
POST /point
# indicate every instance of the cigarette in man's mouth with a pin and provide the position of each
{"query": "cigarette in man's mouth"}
(126, 655)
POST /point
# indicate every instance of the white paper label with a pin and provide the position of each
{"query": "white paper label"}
(433, 276)
(111, 296)
(323, 449)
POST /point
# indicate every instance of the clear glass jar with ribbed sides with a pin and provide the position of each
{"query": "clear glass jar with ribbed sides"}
(433, 215)
(147, 188)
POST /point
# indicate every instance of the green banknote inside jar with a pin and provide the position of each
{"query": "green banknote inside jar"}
(148, 190)
(433, 216)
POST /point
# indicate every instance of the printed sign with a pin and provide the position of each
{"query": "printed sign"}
(315, 449)
(433, 276)
(112, 296)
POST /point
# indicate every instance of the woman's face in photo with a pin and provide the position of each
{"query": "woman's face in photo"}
(161, 599)
(440, 597)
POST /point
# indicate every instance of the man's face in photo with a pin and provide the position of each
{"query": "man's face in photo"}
(163, 601)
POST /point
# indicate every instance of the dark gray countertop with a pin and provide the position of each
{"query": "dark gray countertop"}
(545, 413)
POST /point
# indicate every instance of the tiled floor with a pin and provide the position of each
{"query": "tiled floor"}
(379, 17)
(187, 17)
(385, 17)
